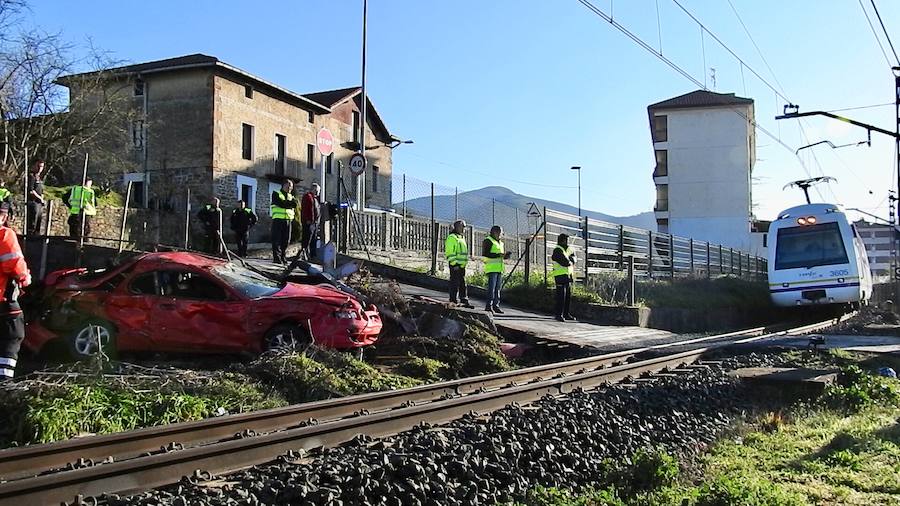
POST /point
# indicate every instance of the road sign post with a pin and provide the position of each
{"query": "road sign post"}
(325, 143)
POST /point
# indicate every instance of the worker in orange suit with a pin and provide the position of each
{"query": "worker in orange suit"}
(14, 276)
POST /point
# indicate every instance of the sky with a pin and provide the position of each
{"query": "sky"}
(515, 92)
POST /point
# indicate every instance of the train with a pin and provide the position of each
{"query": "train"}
(816, 257)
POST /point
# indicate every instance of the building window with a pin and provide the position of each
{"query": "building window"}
(310, 156)
(246, 190)
(662, 198)
(280, 158)
(137, 134)
(139, 87)
(310, 117)
(248, 91)
(328, 163)
(355, 126)
(246, 141)
(138, 182)
(660, 128)
(662, 225)
(765, 240)
(374, 179)
(662, 163)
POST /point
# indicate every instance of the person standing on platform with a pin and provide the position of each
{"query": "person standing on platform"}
(309, 220)
(242, 220)
(35, 199)
(14, 276)
(82, 204)
(210, 216)
(494, 255)
(457, 253)
(283, 207)
(563, 276)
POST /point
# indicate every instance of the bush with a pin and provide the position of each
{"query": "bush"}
(425, 368)
(743, 491)
(552, 496)
(857, 389)
(650, 469)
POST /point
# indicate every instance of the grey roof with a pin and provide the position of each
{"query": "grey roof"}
(700, 98)
(331, 97)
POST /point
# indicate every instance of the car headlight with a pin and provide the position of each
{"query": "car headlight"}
(346, 314)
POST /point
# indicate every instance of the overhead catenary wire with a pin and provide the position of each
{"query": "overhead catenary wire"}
(875, 33)
(886, 34)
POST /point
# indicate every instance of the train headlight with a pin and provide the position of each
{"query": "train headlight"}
(806, 220)
(801, 221)
(811, 220)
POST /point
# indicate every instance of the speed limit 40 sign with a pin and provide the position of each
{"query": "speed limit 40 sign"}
(357, 164)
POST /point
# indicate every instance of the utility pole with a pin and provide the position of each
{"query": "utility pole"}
(361, 179)
(579, 188)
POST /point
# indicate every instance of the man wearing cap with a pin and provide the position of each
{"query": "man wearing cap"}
(82, 204)
(14, 276)
(563, 275)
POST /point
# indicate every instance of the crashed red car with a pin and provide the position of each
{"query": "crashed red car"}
(185, 302)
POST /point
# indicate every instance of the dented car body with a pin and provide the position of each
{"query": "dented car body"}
(185, 302)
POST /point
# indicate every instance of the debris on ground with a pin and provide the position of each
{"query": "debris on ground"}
(872, 321)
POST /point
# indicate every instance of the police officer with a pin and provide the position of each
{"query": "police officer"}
(283, 207)
(494, 254)
(242, 220)
(14, 275)
(457, 253)
(210, 216)
(563, 276)
(82, 204)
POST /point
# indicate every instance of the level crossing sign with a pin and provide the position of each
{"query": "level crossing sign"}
(357, 164)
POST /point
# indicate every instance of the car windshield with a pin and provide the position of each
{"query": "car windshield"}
(249, 283)
(809, 246)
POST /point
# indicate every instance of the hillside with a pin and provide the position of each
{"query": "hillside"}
(475, 207)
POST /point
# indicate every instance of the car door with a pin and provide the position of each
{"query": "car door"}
(198, 313)
(130, 308)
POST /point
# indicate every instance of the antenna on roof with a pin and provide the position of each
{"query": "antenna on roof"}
(804, 184)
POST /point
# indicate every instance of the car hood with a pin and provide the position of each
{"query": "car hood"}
(321, 293)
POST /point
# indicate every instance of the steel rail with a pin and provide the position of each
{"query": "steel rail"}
(30, 460)
(161, 469)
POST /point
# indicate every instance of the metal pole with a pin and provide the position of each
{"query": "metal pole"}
(650, 254)
(433, 235)
(25, 202)
(493, 218)
(586, 238)
(672, 255)
(46, 239)
(579, 191)
(81, 202)
(621, 246)
(456, 203)
(187, 218)
(630, 300)
(527, 261)
(896, 71)
(544, 225)
(518, 238)
(124, 217)
(404, 196)
(361, 179)
(692, 256)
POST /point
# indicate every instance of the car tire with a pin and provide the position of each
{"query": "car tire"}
(83, 340)
(287, 336)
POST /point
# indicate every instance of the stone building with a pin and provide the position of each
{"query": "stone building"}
(204, 125)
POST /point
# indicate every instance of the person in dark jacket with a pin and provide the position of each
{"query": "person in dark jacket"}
(210, 216)
(35, 198)
(309, 220)
(242, 220)
(283, 207)
(563, 276)
(494, 254)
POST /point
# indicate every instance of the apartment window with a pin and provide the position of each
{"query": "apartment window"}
(280, 149)
(374, 179)
(662, 197)
(139, 87)
(355, 126)
(662, 163)
(328, 162)
(310, 156)
(310, 116)
(247, 193)
(138, 182)
(246, 141)
(662, 225)
(248, 91)
(660, 128)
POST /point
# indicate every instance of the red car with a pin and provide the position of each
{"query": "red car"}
(184, 302)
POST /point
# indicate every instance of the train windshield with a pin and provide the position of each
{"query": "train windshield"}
(810, 246)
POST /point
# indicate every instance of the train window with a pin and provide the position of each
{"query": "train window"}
(809, 246)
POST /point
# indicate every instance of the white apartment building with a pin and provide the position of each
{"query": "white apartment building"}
(705, 146)
(877, 238)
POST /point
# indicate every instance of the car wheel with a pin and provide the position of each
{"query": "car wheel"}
(90, 338)
(286, 336)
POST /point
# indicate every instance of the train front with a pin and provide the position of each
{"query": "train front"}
(814, 257)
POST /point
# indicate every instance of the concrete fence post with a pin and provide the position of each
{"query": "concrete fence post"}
(721, 266)
(621, 251)
(708, 262)
(672, 256)
(650, 254)
(385, 235)
(691, 246)
(546, 233)
(630, 280)
(434, 246)
(731, 261)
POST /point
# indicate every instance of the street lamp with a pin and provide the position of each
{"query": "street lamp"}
(579, 188)
(395, 141)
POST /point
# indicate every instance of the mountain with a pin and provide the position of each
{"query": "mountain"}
(475, 207)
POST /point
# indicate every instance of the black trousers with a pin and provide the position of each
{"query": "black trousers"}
(309, 238)
(212, 244)
(563, 294)
(458, 284)
(281, 237)
(242, 238)
(12, 332)
(35, 214)
(75, 225)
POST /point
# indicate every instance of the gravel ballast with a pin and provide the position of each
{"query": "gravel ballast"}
(569, 441)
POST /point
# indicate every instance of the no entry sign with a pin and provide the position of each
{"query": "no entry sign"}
(325, 142)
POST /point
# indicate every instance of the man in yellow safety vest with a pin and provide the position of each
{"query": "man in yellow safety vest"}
(563, 276)
(493, 253)
(283, 207)
(457, 253)
(82, 204)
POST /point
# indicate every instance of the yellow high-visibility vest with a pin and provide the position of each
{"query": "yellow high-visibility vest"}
(83, 197)
(559, 269)
(456, 250)
(494, 264)
(283, 213)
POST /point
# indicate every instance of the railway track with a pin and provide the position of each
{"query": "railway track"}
(68, 471)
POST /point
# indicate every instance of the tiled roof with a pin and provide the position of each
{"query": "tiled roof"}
(331, 97)
(701, 98)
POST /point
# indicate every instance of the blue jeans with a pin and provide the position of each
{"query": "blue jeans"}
(493, 289)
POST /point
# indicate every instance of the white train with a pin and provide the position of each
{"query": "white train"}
(817, 257)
